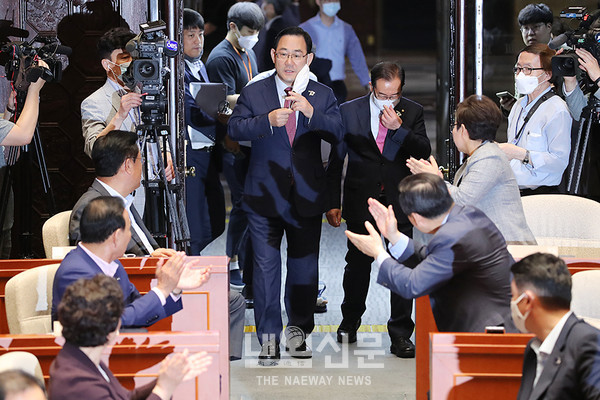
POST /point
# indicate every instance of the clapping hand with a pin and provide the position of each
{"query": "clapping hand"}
(421, 166)
(385, 220)
(370, 244)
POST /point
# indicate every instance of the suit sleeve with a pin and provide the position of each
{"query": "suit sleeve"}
(147, 309)
(414, 138)
(588, 366)
(93, 121)
(431, 273)
(335, 166)
(326, 118)
(244, 124)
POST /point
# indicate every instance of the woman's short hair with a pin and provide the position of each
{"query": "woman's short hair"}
(480, 115)
(90, 309)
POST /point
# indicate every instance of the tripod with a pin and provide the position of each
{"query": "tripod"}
(21, 172)
(589, 121)
(158, 189)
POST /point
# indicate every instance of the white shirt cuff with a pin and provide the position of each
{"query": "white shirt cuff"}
(381, 257)
(160, 295)
(399, 247)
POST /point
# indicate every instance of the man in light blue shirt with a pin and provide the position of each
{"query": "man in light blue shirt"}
(335, 40)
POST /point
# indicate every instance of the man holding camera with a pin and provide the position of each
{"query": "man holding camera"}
(539, 125)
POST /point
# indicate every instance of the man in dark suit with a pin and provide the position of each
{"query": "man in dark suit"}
(562, 361)
(118, 165)
(105, 233)
(382, 130)
(204, 194)
(286, 116)
(465, 268)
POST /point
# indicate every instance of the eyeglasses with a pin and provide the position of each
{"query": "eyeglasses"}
(380, 96)
(533, 28)
(294, 56)
(526, 70)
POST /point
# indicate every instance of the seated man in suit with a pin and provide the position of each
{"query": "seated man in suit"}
(118, 164)
(562, 361)
(105, 233)
(465, 268)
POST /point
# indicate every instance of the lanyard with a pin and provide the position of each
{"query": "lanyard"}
(519, 132)
(247, 68)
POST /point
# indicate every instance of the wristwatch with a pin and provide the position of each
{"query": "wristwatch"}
(526, 158)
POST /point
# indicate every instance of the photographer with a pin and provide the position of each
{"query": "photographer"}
(574, 96)
(21, 132)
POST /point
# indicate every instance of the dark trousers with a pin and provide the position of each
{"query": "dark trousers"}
(205, 201)
(303, 235)
(356, 286)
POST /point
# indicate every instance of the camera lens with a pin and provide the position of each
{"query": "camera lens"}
(147, 70)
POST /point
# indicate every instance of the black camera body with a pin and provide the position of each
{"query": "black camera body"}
(150, 50)
(586, 36)
(21, 60)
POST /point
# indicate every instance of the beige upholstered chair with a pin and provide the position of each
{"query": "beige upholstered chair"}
(55, 232)
(23, 361)
(585, 301)
(563, 220)
(29, 300)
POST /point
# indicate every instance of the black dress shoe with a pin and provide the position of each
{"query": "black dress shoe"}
(347, 332)
(295, 343)
(403, 347)
(269, 354)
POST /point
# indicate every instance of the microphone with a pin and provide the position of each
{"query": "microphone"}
(558, 41)
(56, 48)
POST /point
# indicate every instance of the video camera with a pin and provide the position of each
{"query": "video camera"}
(21, 60)
(149, 51)
(586, 36)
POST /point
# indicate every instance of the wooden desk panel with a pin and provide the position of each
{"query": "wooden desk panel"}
(135, 359)
(466, 365)
(425, 324)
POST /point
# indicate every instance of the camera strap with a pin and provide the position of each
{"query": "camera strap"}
(533, 109)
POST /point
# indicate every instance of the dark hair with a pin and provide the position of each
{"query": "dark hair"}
(100, 218)
(90, 309)
(246, 14)
(480, 115)
(547, 276)
(545, 53)
(192, 19)
(111, 150)
(279, 5)
(387, 71)
(294, 31)
(17, 381)
(425, 194)
(535, 13)
(114, 39)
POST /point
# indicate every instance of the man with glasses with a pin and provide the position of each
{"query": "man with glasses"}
(382, 130)
(539, 125)
(535, 22)
(286, 116)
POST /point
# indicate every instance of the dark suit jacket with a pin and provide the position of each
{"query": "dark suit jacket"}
(465, 270)
(139, 310)
(571, 371)
(73, 376)
(96, 190)
(280, 174)
(368, 168)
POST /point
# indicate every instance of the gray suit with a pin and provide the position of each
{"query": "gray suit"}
(98, 109)
(96, 190)
(487, 182)
(465, 270)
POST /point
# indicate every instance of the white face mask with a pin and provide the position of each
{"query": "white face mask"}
(381, 103)
(301, 81)
(331, 9)
(518, 318)
(247, 42)
(526, 84)
(123, 67)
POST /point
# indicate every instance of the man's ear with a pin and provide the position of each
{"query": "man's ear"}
(370, 86)
(273, 55)
(105, 64)
(309, 58)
